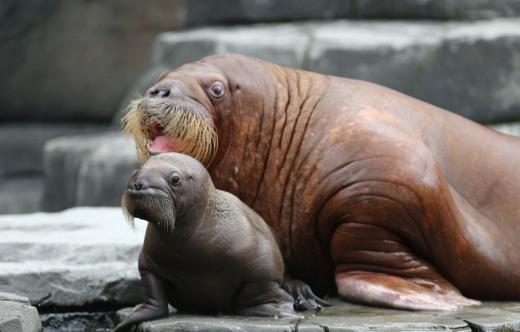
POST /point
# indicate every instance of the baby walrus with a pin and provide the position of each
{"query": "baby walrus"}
(204, 250)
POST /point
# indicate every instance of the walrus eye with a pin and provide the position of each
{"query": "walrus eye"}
(175, 180)
(217, 90)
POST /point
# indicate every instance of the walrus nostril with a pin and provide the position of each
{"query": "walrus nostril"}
(161, 92)
(164, 92)
(137, 185)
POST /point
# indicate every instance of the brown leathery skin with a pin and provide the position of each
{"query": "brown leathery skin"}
(322, 158)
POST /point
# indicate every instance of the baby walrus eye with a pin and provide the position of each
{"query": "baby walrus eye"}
(175, 180)
(217, 90)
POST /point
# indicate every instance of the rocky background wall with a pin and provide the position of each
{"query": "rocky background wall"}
(69, 67)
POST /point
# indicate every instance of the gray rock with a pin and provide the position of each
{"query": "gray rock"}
(104, 174)
(283, 44)
(205, 12)
(17, 315)
(193, 323)
(508, 128)
(87, 170)
(74, 258)
(74, 60)
(347, 317)
(469, 68)
(22, 144)
(434, 9)
(20, 194)
(493, 316)
(77, 321)
(21, 165)
(56, 53)
(343, 317)
(14, 298)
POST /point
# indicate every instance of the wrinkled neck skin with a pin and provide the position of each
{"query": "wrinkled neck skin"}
(266, 156)
(266, 119)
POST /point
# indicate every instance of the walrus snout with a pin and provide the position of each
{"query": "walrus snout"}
(168, 88)
(147, 182)
(147, 197)
(170, 122)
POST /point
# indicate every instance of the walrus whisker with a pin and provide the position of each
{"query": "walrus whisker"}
(129, 218)
(166, 216)
(152, 204)
(195, 132)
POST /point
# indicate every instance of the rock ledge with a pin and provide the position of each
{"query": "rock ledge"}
(343, 317)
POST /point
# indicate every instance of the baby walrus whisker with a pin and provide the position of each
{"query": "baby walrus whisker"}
(205, 251)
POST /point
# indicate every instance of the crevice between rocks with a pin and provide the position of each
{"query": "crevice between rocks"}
(477, 328)
(91, 307)
(325, 328)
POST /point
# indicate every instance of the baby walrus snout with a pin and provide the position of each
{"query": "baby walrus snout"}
(204, 250)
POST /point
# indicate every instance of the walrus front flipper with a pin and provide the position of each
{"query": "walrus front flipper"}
(397, 292)
(265, 299)
(155, 303)
(304, 297)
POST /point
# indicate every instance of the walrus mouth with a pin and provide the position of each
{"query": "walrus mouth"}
(160, 142)
(160, 126)
(154, 208)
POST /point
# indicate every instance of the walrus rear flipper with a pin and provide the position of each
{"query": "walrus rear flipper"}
(374, 266)
(265, 299)
(391, 291)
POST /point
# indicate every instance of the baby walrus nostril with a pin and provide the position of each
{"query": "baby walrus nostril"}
(138, 185)
(204, 249)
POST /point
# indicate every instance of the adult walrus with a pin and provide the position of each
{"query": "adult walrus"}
(204, 250)
(399, 202)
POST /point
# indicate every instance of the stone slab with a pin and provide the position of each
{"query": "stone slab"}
(204, 12)
(470, 68)
(437, 10)
(71, 60)
(4, 296)
(343, 317)
(494, 316)
(17, 315)
(192, 323)
(21, 194)
(22, 145)
(86, 170)
(74, 258)
(467, 68)
(512, 128)
(351, 317)
(74, 60)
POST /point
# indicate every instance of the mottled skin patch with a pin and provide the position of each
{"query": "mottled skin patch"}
(374, 194)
